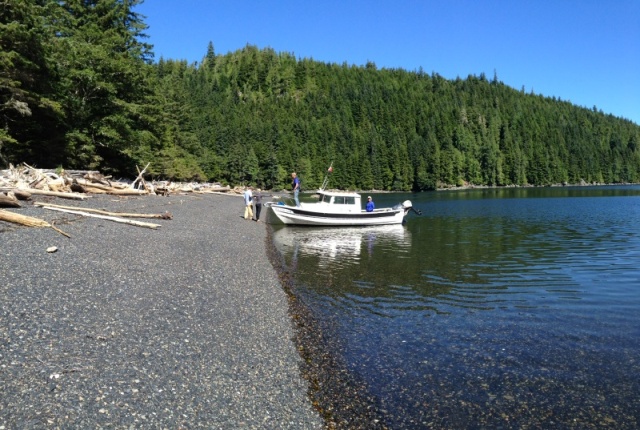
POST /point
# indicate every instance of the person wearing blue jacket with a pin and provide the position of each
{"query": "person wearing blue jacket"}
(370, 205)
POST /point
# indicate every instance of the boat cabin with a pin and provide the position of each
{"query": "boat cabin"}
(336, 202)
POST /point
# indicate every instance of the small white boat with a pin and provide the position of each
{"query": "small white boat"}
(335, 208)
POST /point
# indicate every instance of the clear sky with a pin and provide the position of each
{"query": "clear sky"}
(583, 51)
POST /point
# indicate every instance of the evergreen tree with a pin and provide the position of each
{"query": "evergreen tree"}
(103, 82)
(253, 116)
(28, 111)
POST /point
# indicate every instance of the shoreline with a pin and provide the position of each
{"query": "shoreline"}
(338, 396)
(481, 187)
(186, 326)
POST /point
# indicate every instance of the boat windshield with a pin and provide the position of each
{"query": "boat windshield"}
(341, 200)
(326, 198)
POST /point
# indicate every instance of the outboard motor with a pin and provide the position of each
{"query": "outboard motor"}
(408, 206)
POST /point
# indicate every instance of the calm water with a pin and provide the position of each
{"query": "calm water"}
(496, 308)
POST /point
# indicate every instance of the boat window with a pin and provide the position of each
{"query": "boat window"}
(326, 198)
(343, 200)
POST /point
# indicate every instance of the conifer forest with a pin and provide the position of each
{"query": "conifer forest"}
(80, 88)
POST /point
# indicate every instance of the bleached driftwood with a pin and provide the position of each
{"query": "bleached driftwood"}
(105, 217)
(78, 188)
(9, 200)
(127, 192)
(213, 190)
(21, 194)
(140, 178)
(92, 187)
(96, 177)
(73, 196)
(58, 185)
(97, 185)
(27, 221)
(165, 215)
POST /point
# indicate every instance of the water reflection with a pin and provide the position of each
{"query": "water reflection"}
(338, 247)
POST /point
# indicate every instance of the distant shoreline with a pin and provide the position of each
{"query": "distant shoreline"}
(490, 187)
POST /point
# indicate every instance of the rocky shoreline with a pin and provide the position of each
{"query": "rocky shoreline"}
(340, 398)
(186, 326)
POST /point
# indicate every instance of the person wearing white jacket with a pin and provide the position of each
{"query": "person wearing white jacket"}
(248, 204)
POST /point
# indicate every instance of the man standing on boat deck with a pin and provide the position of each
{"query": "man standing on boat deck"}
(370, 205)
(296, 187)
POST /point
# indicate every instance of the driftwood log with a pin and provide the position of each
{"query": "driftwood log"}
(9, 200)
(165, 215)
(17, 192)
(77, 188)
(21, 194)
(99, 188)
(27, 221)
(97, 178)
(127, 192)
(72, 196)
(105, 217)
(214, 190)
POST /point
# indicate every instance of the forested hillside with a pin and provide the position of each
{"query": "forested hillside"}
(78, 89)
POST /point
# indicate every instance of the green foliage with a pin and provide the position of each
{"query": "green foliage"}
(29, 112)
(77, 89)
(84, 110)
(390, 129)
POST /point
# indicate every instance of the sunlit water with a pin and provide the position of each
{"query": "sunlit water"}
(514, 308)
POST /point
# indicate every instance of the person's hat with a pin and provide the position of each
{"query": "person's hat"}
(368, 197)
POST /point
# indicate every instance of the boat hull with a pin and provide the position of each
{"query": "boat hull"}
(291, 215)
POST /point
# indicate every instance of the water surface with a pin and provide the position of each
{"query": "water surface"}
(495, 308)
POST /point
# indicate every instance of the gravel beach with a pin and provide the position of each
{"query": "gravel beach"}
(185, 326)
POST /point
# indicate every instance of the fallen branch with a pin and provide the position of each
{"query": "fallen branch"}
(140, 177)
(108, 218)
(27, 221)
(165, 215)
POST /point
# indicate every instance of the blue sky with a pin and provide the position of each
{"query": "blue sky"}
(583, 51)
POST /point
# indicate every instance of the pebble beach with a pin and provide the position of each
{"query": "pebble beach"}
(183, 326)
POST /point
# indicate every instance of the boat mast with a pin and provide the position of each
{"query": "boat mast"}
(326, 177)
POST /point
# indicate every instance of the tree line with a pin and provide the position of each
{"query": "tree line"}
(79, 88)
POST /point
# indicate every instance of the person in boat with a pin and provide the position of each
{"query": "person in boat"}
(370, 205)
(248, 203)
(257, 199)
(296, 187)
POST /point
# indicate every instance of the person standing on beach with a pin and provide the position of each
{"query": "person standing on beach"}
(370, 205)
(248, 204)
(296, 187)
(257, 199)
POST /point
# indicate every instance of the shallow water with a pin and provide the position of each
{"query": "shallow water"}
(495, 308)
